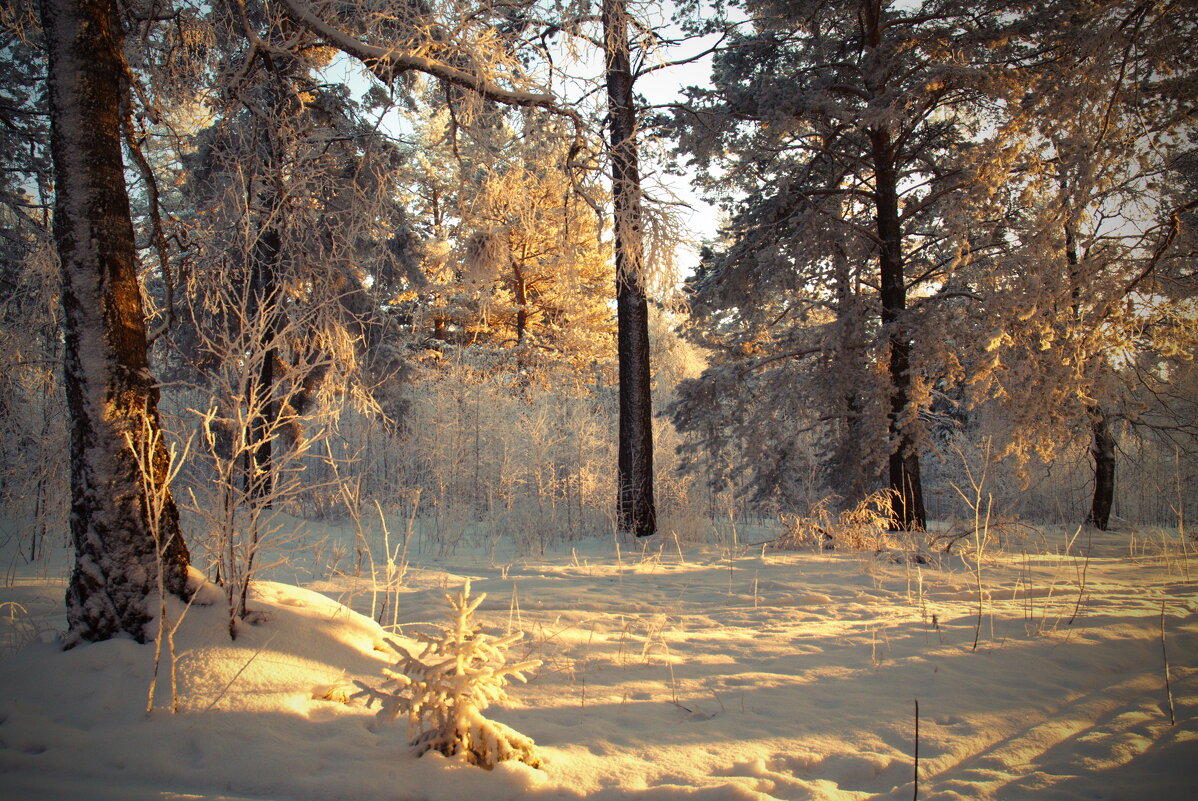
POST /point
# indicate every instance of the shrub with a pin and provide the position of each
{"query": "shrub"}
(444, 689)
(863, 527)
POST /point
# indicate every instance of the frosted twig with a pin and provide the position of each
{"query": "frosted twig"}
(1081, 589)
(240, 670)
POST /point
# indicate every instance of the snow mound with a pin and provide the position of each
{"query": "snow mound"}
(266, 716)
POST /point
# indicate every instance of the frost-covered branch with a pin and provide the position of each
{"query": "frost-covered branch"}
(388, 63)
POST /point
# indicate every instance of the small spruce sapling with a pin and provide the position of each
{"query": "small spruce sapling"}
(444, 689)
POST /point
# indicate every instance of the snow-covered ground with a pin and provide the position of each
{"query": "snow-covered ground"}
(700, 672)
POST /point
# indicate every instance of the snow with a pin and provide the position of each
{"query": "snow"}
(700, 672)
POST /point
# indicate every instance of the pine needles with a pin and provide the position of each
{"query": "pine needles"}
(443, 690)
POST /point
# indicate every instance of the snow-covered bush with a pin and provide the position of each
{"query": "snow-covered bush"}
(859, 528)
(444, 689)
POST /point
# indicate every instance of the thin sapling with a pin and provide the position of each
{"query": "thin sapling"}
(443, 690)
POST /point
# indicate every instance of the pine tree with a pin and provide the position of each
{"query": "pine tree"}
(515, 257)
(840, 135)
(443, 690)
(288, 191)
(294, 188)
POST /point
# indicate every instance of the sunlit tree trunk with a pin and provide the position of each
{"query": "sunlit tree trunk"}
(635, 510)
(111, 395)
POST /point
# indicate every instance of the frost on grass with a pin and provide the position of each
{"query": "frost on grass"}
(443, 690)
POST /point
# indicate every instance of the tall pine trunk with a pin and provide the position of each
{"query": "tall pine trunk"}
(111, 396)
(635, 510)
(265, 288)
(907, 507)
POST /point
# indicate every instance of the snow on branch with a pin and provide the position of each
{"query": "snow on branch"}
(387, 63)
(443, 690)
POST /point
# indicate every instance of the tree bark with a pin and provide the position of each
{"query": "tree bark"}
(1103, 451)
(111, 396)
(520, 286)
(635, 511)
(266, 297)
(265, 286)
(1102, 442)
(521, 292)
(850, 479)
(907, 507)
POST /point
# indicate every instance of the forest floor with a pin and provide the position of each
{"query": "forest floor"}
(688, 672)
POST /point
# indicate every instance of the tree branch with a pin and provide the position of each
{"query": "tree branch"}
(388, 63)
(1174, 228)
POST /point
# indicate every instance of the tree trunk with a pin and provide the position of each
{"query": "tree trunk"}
(521, 293)
(907, 506)
(1103, 451)
(266, 294)
(1102, 443)
(111, 395)
(520, 285)
(635, 510)
(266, 291)
(851, 475)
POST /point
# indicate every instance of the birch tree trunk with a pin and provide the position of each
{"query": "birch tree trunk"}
(635, 510)
(112, 398)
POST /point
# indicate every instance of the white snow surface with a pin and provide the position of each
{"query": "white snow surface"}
(700, 672)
